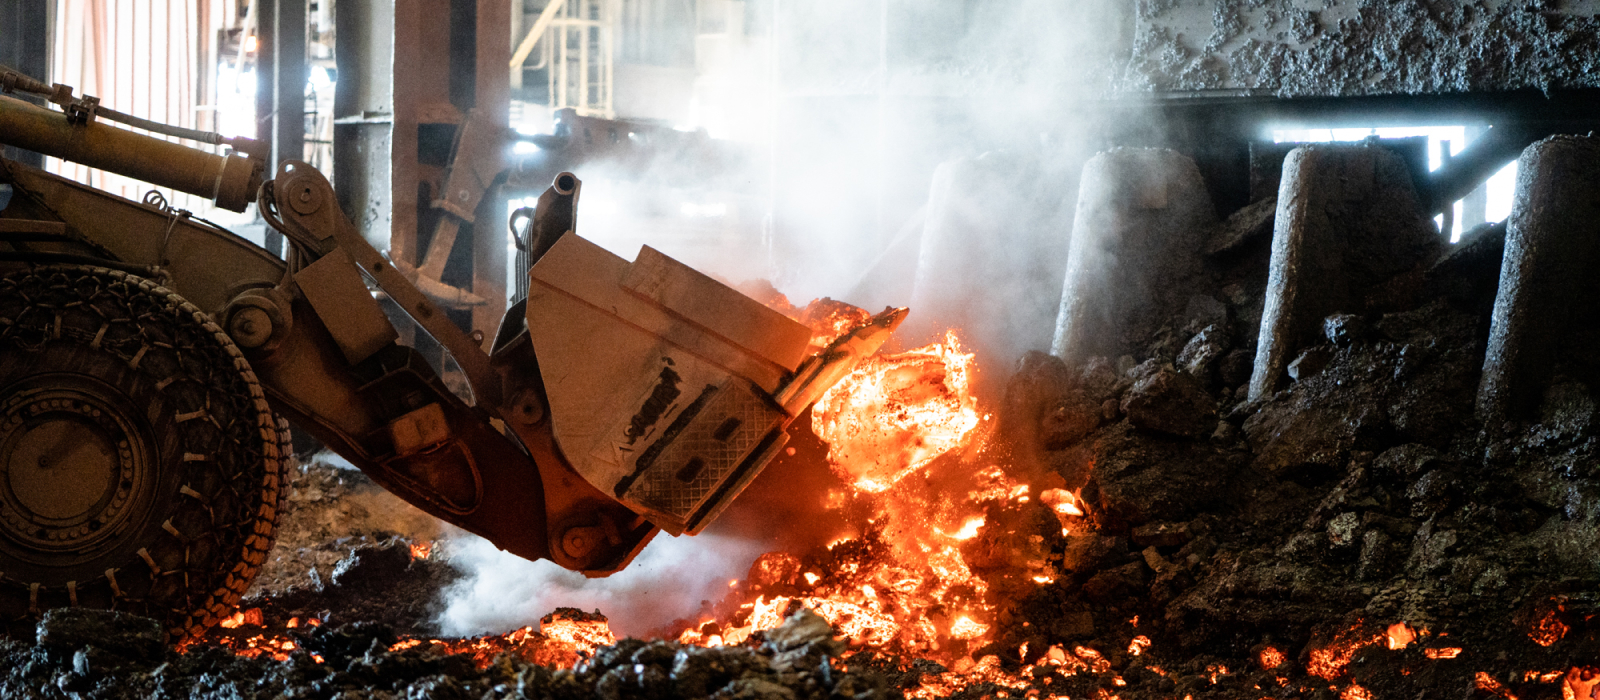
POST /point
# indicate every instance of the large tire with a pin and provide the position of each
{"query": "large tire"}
(140, 466)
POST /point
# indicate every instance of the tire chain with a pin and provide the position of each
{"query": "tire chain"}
(236, 451)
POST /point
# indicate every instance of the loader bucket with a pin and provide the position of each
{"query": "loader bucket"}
(667, 389)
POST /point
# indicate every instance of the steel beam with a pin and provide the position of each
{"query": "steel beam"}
(289, 77)
(410, 71)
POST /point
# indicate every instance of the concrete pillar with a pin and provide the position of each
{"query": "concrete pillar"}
(990, 242)
(1136, 255)
(1548, 275)
(1348, 220)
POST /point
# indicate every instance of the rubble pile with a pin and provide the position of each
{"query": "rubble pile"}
(102, 654)
(347, 552)
(1358, 533)
(331, 511)
(1362, 496)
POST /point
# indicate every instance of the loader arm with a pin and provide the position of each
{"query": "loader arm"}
(621, 398)
(339, 374)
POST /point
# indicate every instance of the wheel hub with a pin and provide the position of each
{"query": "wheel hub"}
(72, 465)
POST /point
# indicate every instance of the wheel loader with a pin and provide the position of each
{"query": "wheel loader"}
(151, 364)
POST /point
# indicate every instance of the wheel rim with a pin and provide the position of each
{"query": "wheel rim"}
(74, 465)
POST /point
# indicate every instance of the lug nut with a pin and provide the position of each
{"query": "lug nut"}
(250, 327)
(526, 408)
(580, 542)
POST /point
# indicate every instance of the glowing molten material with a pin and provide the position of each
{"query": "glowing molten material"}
(1490, 685)
(583, 633)
(1270, 658)
(1062, 501)
(894, 414)
(902, 584)
(1549, 629)
(1400, 635)
(1138, 645)
(564, 638)
(1580, 683)
(827, 319)
(965, 628)
(1329, 661)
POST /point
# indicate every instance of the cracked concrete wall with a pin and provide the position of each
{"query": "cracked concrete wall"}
(1343, 48)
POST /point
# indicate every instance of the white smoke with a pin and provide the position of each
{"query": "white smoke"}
(858, 112)
(667, 581)
(331, 458)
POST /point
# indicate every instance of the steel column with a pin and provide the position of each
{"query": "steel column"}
(289, 77)
(411, 71)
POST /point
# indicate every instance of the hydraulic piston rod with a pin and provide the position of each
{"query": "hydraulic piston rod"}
(229, 180)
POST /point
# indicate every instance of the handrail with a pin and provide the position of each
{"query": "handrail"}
(532, 38)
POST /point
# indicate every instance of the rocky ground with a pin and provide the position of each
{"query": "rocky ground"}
(1363, 495)
(332, 510)
(96, 654)
(345, 553)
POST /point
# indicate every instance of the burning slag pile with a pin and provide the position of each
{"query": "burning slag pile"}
(1307, 450)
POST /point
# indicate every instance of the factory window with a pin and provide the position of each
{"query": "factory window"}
(143, 58)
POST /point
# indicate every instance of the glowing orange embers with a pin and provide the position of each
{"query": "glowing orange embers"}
(564, 638)
(1400, 635)
(1270, 658)
(240, 640)
(1580, 683)
(241, 618)
(1216, 671)
(1355, 692)
(1549, 629)
(894, 414)
(262, 645)
(1329, 661)
(1489, 685)
(421, 549)
(1442, 652)
(1138, 644)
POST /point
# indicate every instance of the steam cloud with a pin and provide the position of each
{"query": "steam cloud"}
(879, 194)
(666, 582)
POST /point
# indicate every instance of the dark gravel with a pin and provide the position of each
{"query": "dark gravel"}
(98, 654)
